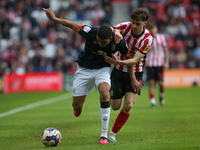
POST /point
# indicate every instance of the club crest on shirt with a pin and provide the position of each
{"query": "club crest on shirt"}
(113, 47)
(86, 29)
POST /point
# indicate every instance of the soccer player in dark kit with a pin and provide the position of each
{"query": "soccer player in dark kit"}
(92, 67)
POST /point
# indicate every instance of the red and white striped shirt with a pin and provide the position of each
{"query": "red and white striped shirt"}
(155, 57)
(142, 43)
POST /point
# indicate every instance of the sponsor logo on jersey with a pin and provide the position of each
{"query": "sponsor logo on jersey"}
(100, 52)
(146, 49)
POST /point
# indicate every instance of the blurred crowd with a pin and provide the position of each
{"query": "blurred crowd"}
(30, 42)
(179, 21)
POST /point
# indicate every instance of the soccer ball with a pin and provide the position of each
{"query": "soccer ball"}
(51, 137)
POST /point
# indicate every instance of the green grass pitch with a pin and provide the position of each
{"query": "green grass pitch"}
(175, 126)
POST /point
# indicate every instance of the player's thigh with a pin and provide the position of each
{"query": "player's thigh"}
(130, 97)
(104, 89)
(84, 80)
(129, 100)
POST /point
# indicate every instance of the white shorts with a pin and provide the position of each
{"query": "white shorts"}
(84, 79)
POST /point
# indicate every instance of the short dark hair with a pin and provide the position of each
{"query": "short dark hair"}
(151, 25)
(140, 14)
(104, 32)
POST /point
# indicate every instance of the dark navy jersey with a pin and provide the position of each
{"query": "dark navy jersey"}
(92, 56)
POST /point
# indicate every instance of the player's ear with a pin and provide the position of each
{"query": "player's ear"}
(145, 23)
(111, 38)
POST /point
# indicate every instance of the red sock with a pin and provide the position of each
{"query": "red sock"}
(120, 121)
(151, 95)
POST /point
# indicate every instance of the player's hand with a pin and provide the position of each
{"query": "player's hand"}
(118, 37)
(112, 60)
(136, 85)
(50, 14)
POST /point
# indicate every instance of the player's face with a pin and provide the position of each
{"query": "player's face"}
(103, 42)
(153, 31)
(138, 26)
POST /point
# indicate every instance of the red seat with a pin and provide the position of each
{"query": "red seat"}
(171, 1)
(160, 9)
(179, 45)
(170, 42)
(186, 3)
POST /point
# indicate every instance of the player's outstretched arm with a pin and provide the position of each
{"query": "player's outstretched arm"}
(132, 61)
(128, 62)
(50, 14)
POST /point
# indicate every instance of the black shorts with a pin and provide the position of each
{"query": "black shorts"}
(121, 83)
(155, 73)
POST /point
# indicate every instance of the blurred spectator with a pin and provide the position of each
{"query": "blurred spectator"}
(179, 11)
(98, 13)
(172, 28)
(197, 52)
(190, 63)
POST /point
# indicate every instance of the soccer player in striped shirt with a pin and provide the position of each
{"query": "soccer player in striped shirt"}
(157, 59)
(139, 41)
(92, 67)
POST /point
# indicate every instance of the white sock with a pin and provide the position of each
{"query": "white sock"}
(112, 134)
(105, 116)
(162, 95)
(153, 101)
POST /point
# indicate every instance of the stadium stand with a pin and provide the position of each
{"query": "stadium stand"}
(30, 42)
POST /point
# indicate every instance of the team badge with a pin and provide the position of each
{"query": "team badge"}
(113, 47)
(86, 29)
(146, 49)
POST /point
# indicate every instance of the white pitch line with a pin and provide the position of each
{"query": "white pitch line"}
(37, 104)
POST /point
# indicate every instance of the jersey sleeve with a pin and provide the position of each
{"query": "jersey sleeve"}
(122, 47)
(122, 26)
(87, 32)
(146, 45)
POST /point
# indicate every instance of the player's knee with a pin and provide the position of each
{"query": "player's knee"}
(114, 107)
(127, 108)
(104, 96)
